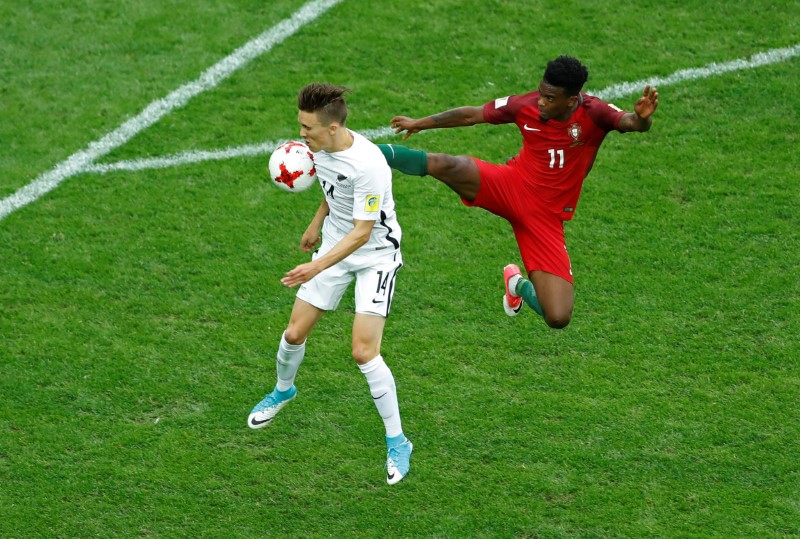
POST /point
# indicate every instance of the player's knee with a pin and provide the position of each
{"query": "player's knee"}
(363, 352)
(558, 323)
(558, 320)
(293, 336)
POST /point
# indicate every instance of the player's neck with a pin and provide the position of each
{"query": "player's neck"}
(568, 113)
(342, 140)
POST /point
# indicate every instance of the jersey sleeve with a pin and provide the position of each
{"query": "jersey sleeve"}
(604, 114)
(502, 110)
(368, 191)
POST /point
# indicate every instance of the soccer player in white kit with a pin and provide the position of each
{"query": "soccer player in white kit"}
(360, 239)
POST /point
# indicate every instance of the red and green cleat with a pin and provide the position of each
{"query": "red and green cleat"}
(512, 303)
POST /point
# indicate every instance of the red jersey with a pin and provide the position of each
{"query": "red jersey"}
(556, 156)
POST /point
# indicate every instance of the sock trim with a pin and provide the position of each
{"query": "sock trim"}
(513, 283)
(372, 364)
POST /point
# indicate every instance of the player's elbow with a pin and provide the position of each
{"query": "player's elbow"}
(357, 241)
(642, 124)
(361, 232)
(472, 115)
(363, 237)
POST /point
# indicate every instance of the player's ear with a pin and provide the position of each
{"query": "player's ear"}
(571, 100)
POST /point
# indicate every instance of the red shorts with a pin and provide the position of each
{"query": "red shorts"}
(539, 232)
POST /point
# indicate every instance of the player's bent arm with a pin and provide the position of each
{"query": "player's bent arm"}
(311, 236)
(631, 121)
(642, 116)
(347, 245)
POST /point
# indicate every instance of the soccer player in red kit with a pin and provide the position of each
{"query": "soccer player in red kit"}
(536, 191)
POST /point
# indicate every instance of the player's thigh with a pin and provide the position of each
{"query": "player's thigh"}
(541, 242)
(302, 321)
(458, 172)
(502, 191)
(376, 280)
(367, 336)
(326, 289)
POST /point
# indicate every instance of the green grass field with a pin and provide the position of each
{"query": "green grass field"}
(140, 310)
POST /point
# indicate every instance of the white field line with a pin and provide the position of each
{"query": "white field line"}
(757, 60)
(612, 92)
(197, 156)
(79, 161)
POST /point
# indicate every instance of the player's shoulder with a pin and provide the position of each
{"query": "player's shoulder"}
(600, 111)
(592, 102)
(367, 157)
(589, 101)
(362, 143)
(365, 148)
(515, 101)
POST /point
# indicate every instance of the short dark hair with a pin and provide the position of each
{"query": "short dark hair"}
(566, 72)
(326, 100)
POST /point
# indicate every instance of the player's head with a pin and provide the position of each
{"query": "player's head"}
(322, 112)
(326, 100)
(567, 73)
(561, 86)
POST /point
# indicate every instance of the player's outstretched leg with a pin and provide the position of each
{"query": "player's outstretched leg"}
(518, 289)
(398, 458)
(406, 160)
(263, 412)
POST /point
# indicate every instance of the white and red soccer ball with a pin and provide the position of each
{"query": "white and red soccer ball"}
(291, 167)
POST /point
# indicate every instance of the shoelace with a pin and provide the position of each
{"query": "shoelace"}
(395, 454)
(268, 402)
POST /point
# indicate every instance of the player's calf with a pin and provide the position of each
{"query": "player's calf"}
(406, 160)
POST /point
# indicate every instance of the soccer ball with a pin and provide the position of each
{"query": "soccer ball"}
(291, 167)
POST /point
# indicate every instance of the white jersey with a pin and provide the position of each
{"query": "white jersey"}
(357, 183)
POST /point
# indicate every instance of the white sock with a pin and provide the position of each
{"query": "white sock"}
(288, 362)
(384, 394)
(512, 284)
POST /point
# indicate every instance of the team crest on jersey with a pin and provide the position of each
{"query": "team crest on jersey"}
(373, 202)
(341, 181)
(574, 131)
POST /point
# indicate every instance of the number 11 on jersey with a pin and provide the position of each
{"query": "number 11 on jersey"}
(553, 153)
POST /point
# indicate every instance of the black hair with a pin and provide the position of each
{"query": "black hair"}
(326, 100)
(566, 72)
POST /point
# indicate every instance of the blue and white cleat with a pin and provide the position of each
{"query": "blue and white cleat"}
(398, 461)
(263, 412)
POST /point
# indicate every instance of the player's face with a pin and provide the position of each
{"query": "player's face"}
(554, 102)
(316, 136)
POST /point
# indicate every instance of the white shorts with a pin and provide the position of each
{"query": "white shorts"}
(374, 274)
